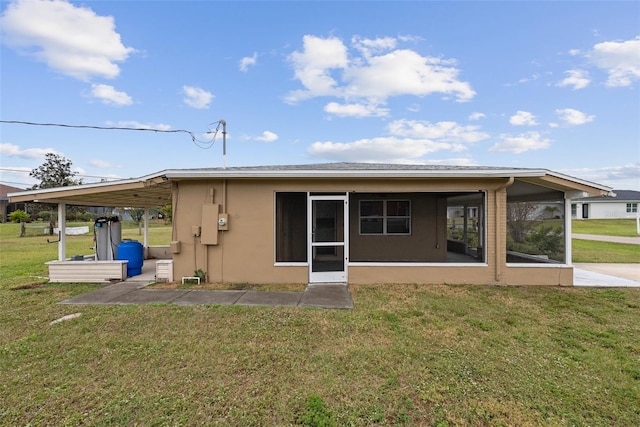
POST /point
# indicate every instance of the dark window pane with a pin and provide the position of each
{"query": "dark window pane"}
(398, 225)
(371, 208)
(371, 226)
(398, 208)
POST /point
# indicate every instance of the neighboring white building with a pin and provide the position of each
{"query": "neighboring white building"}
(623, 205)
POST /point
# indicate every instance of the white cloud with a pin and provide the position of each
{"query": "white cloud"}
(101, 164)
(267, 136)
(442, 131)
(197, 97)
(132, 124)
(621, 177)
(17, 176)
(12, 150)
(371, 46)
(373, 72)
(248, 61)
(72, 40)
(477, 116)
(313, 66)
(521, 143)
(109, 95)
(573, 117)
(578, 79)
(523, 118)
(386, 149)
(355, 110)
(620, 59)
(409, 141)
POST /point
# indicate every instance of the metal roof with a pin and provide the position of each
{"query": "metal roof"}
(620, 196)
(155, 189)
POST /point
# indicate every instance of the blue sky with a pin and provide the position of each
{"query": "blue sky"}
(520, 84)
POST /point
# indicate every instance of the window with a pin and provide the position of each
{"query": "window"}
(632, 207)
(389, 217)
(574, 210)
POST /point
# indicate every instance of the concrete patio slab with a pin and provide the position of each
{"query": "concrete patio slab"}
(327, 296)
(209, 297)
(101, 296)
(148, 296)
(322, 296)
(270, 298)
(583, 277)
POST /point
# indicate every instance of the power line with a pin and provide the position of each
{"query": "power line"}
(3, 169)
(199, 143)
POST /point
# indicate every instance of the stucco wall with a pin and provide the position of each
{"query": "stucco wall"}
(248, 254)
(604, 210)
(426, 243)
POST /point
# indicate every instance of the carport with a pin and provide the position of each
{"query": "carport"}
(144, 192)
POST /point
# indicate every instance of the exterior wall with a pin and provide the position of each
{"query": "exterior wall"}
(426, 243)
(541, 274)
(246, 252)
(605, 210)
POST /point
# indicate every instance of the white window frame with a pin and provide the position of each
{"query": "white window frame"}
(384, 217)
(632, 208)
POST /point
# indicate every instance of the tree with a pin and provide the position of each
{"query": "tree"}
(54, 172)
(519, 219)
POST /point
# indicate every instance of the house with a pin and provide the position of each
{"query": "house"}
(345, 222)
(5, 207)
(624, 204)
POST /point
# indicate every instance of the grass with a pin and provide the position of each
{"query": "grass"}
(604, 252)
(29, 254)
(438, 355)
(606, 227)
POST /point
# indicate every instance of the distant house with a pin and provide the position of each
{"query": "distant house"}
(623, 205)
(5, 207)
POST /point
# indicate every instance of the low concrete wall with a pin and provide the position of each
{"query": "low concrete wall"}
(158, 252)
(87, 271)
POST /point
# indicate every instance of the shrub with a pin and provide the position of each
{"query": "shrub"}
(18, 216)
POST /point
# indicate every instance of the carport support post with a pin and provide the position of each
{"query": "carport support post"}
(567, 230)
(62, 239)
(146, 231)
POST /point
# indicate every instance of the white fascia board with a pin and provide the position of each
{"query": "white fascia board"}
(86, 186)
(473, 173)
(609, 190)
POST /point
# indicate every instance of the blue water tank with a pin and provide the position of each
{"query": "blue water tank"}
(133, 252)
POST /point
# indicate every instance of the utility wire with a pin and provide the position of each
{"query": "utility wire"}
(3, 169)
(199, 143)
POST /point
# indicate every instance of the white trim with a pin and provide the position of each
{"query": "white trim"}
(335, 276)
(538, 265)
(290, 264)
(567, 231)
(417, 264)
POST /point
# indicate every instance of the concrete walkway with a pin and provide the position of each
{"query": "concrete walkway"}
(613, 239)
(606, 275)
(320, 296)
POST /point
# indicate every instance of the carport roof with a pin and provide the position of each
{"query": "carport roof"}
(155, 189)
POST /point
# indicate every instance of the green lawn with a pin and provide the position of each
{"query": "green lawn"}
(605, 252)
(606, 227)
(440, 355)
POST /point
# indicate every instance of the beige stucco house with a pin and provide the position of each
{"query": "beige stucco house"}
(344, 222)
